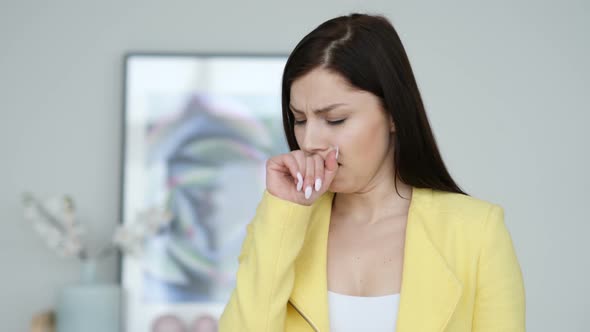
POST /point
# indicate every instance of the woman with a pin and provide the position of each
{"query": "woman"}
(361, 227)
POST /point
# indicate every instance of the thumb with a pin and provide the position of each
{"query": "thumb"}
(330, 167)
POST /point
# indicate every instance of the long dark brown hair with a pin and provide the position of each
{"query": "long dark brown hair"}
(367, 51)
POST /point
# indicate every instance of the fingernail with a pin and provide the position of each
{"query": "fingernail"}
(318, 184)
(307, 192)
(299, 181)
(337, 152)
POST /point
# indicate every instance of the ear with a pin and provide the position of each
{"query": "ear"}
(391, 123)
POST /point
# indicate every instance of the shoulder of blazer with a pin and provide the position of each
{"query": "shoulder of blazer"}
(452, 214)
(460, 207)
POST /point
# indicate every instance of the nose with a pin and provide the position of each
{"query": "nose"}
(313, 140)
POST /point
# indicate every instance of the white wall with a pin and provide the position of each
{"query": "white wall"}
(506, 87)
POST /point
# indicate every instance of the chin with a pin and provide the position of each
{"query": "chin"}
(339, 187)
(334, 187)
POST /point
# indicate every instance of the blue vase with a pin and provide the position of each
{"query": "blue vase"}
(89, 306)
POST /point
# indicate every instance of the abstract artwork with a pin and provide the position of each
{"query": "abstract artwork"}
(197, 132)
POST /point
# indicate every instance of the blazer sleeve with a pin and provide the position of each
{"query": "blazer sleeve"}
(266, 272)
(500, 295)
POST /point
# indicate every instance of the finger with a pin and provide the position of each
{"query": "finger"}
(319, 171)
(331, 168)
(309, 179)
(294, 169)
(299, 156)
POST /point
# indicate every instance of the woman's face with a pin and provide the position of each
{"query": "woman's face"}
(353, 120)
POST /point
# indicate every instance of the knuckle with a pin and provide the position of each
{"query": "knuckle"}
(271, 160)
(298, 154)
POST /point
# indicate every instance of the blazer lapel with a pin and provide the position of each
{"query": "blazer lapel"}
(429, 291)
(310, 289)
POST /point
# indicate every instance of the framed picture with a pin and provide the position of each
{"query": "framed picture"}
(198, 129)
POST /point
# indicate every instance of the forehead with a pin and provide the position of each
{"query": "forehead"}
(321, 87)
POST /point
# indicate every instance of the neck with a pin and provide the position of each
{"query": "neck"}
(379, 201)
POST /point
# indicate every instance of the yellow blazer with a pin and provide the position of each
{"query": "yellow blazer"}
(460, 271)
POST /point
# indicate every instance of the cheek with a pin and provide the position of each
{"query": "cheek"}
(296, 133)
(364, 144)
(363, 150)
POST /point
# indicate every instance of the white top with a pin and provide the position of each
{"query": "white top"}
(362, 313)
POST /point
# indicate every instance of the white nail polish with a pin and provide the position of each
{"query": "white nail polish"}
(318, 184)
(299, 181)
(307, 192)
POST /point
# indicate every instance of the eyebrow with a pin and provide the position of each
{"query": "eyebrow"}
(321, 110)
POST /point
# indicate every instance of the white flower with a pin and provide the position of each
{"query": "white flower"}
(54, 219)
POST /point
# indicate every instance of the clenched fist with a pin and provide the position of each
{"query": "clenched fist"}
(301, 178)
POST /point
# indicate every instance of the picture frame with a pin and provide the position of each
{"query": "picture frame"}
(197, 130)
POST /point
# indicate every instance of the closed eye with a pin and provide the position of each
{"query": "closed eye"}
(331, 123)
(335, 123)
